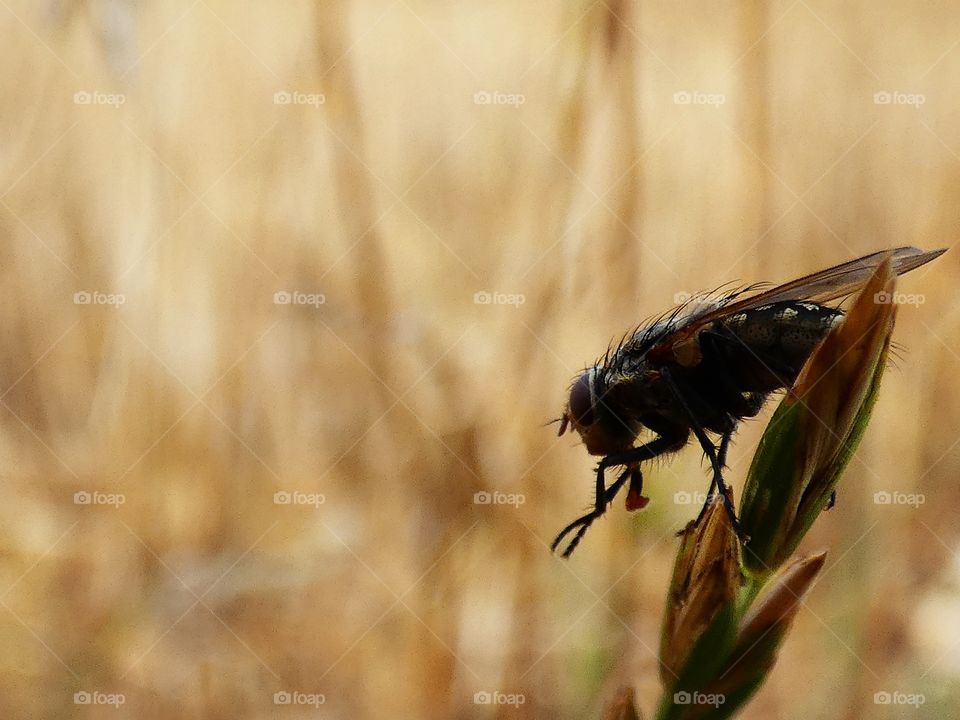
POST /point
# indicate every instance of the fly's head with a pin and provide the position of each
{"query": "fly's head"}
(595, 412)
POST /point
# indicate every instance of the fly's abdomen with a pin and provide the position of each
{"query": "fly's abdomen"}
(765, 347)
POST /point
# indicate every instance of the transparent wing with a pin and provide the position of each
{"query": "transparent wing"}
(819, 287)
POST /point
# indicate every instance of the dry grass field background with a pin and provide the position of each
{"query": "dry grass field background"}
(168, 168)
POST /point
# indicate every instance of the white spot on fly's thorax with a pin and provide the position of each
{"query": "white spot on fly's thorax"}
(788, 314)
(809, 306)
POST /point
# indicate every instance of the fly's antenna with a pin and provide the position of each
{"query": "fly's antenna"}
(564, 421)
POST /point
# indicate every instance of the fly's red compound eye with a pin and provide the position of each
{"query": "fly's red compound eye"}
(581, 399)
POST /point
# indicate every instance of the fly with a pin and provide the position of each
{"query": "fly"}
(701, 368)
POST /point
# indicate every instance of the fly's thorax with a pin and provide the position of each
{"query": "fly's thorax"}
(638, 386)
(642, 388)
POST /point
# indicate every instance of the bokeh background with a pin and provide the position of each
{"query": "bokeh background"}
(353, 253)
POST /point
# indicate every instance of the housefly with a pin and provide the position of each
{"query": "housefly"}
(701, 368)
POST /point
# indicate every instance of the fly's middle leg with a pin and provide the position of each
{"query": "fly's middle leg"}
(681, 394)
(722, 462)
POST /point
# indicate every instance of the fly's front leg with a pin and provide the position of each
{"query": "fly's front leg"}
(604, 495)
(603, 498)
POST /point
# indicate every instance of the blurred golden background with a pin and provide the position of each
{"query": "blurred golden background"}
(285, 285)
